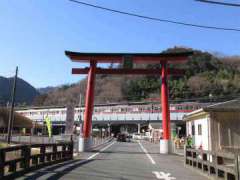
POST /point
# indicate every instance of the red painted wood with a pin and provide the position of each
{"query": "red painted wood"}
(165, 105)
(173, 72)
(87, 126)
(136, 57)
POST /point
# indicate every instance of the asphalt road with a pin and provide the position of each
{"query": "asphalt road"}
(120, 161)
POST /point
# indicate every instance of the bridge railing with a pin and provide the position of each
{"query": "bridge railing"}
(28, 139)
(17, 160)
(217, 165)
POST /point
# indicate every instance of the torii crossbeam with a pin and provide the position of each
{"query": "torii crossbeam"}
(96, 58)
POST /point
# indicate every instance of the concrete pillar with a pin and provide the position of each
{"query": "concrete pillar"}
(139, 128)
(84, 144)
(109, 129)
(32, 131)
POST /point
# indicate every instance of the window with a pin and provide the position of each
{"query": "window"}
(199, 129)
(193, 130)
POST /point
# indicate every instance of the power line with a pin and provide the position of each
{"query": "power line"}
(156, 19)
(219, 3)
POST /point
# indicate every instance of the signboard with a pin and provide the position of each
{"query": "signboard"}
(49, 126)
(69, 120)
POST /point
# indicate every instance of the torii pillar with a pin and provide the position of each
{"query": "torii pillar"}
(86, 141)
(166, 126)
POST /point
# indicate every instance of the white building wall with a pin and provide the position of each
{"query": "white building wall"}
(199, 139)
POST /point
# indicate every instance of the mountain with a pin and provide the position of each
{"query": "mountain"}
(207, 77)
(25, 93)
(46, 90)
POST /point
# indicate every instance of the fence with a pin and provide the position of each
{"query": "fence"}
(216, 165)
(17, 160)
(21, 139)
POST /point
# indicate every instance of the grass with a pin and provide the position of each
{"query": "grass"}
(2, 145)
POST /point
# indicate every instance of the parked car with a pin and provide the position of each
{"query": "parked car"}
(122, 138)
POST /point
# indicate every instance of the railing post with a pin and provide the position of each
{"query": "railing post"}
(59, 154)
(54, 148)
(25, 153)
(71, 150)
(236, 165)
(12, 167)
(214, 160)
(63, 151)
(185, 156)
(2, 161)
(27, 156)
(35, 161)
(49, 156)
(42, 152)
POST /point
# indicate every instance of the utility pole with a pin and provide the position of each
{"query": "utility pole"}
(80, 100)
(80, 112)
(10, 120)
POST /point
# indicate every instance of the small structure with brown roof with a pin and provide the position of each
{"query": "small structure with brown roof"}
(216, 127)
(19, 122)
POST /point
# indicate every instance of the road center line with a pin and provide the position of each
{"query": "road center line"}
(145, 151)
(103, 149)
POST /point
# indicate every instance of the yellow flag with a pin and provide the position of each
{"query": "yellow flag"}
(49, 126)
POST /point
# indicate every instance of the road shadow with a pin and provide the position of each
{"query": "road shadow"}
(66, 168)
(123, 152)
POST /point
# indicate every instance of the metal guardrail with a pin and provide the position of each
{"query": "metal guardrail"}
(218, 165)
(17, 160)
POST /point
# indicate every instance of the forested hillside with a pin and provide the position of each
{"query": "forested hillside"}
(207, 77)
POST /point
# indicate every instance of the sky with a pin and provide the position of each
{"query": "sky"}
(35, 33)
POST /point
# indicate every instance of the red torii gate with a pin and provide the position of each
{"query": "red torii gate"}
(93, 58)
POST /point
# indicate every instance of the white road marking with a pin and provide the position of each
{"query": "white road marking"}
(163, 175)
(145, 151)
(94, 155)
(103, 149)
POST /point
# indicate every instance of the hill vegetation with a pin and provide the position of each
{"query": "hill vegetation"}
(207, 77)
